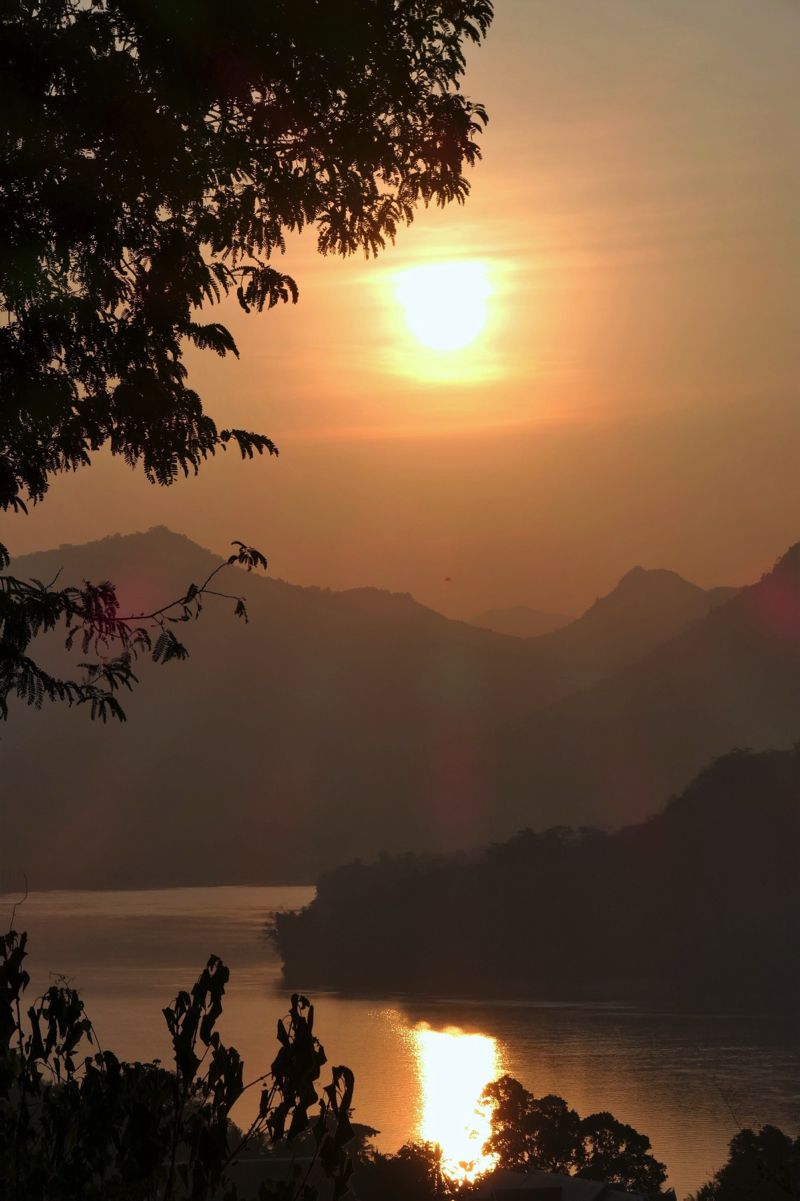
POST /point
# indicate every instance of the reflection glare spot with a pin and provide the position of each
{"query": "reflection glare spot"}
(454, 1068)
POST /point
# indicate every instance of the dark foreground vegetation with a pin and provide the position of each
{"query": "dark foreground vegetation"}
(544, 1132)
(763, 1165)
(701, 901)
(79, 1124)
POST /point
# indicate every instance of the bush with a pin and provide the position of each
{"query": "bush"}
(91, 1127)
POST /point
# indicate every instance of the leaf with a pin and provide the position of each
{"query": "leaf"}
(212, 336)
(167, 647)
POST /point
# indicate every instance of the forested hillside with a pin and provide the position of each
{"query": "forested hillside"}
(701, 901)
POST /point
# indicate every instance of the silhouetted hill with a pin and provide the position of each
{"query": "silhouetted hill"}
(730, 679)
(646, 608)
(700, 902)
(342, 723)
(520, 621)
(330, 723)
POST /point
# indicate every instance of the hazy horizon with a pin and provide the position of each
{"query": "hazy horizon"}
(631, 398)
(523, 605)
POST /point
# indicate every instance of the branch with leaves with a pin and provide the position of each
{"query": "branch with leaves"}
(149, 168)
(91, 618)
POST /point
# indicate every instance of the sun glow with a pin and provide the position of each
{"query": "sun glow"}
(454, 1068)
(446, 305)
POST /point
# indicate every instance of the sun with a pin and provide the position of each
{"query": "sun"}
(446, 305)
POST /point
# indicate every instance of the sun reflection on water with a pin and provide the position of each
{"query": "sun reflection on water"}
(454, 1068)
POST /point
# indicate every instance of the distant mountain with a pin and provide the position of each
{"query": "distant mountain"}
(731, 679)
(342, 723)
(520, 621)
(333, 722)
(701, 902)
(646, 608)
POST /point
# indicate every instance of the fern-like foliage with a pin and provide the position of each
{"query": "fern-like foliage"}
(91, 619)
(153, 163)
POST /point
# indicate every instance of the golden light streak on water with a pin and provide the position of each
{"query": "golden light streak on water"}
(453, 1069)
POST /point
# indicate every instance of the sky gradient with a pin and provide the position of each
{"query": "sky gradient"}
(632, 397)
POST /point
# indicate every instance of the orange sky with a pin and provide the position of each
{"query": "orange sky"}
(633, 395)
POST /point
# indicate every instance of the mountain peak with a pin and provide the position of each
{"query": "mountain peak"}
(147, 567)
(788, 565)
(652, 577)
(159, 537)
(647, 607)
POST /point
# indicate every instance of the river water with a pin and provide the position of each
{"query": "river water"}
(685, 1079)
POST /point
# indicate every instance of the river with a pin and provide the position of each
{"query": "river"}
(685, 1079)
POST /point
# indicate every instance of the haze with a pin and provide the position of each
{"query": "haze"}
(631, 397)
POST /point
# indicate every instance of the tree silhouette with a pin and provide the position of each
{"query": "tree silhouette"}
(530, 1131)
(616, 1153)
(153, 159)
(763, 1165)
(543, 1132)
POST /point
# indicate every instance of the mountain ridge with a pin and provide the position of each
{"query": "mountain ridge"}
(344, 723)
(729, 680)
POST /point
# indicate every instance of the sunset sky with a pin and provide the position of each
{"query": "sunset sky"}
(628, 264)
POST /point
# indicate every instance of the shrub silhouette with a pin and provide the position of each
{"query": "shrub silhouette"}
(79, 1124)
